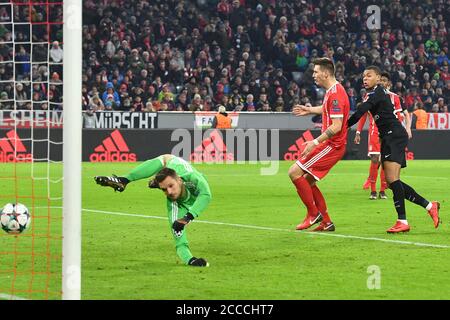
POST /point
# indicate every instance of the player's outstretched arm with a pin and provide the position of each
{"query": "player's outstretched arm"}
(115, 182)
(302, 110)
(203, 198)
(360, 111)
(179, 224)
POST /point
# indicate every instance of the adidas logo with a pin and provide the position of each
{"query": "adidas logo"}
(212, 149)
(296, 149)
(113, 149)
(7, 146)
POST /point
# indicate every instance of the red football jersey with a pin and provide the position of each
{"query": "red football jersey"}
(395, 99)
(373, 129)
(336, 105)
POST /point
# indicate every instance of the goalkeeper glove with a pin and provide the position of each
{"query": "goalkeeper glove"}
(178, 225)
(198, 262)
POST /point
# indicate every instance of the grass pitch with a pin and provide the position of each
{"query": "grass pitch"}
(247, 234)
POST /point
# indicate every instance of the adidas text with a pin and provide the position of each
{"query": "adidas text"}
(113, 157)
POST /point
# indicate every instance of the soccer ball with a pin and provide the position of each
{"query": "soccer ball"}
(15, 218)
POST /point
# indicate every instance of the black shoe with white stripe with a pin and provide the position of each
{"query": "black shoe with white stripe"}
(115, 182)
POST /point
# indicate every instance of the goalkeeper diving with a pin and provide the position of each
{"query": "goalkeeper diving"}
(187, 191)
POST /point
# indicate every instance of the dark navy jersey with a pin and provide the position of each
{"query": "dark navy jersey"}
(380, 106)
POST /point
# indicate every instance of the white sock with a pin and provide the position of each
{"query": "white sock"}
(403, 221)
(429, 206)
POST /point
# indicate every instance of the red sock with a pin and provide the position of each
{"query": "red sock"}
(305, 193)
(383, 180)
(373, 174)
(320, 203)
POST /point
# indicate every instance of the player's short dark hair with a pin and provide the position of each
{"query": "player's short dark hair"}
(325, 63)
(375, 69)
(164, 173)
(386, 75)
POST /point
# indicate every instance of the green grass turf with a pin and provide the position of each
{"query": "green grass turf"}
(133, 257)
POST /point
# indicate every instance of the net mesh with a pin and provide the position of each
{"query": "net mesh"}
(31, 171)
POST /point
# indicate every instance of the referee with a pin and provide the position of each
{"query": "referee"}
(394, 140)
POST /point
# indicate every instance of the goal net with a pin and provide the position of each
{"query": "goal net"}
(31, 146)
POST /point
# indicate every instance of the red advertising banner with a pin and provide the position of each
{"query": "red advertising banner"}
(439, 121)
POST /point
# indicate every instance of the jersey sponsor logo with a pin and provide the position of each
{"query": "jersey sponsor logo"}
(12, 149)
(296, 149)
(212, 149)
(113, 149)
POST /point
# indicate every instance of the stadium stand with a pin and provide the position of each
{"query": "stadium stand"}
(164, 55)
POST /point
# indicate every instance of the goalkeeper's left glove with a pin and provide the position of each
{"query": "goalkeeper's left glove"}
(178, 225)
(198, 262)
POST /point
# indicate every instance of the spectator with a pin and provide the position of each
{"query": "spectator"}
(96, 104)
(138, 105)
(22, 67)
(4, 103)
(21, 96)
(263, 103)
(111, 94)
(89, 118)
(279, 105)
(196, 104)
(420, 117)
(168, 100)
(192, 44)
(249, 104)
(221, 119)
(56, 53)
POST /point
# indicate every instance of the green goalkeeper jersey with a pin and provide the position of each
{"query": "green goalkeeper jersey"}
(195, 199)
(198, 194)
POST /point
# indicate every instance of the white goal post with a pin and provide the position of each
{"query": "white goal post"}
(72, 130)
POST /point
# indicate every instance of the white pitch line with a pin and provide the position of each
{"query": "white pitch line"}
(279, 229)
(10, 297)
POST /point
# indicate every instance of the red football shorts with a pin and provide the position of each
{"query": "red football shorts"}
(374, 146)
(320, 161)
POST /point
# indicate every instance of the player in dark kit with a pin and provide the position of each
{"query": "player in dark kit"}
(394, 140)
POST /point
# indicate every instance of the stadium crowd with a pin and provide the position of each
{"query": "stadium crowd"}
(255, 55)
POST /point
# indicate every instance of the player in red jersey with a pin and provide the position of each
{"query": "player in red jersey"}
(402, 114)
(322, 153)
